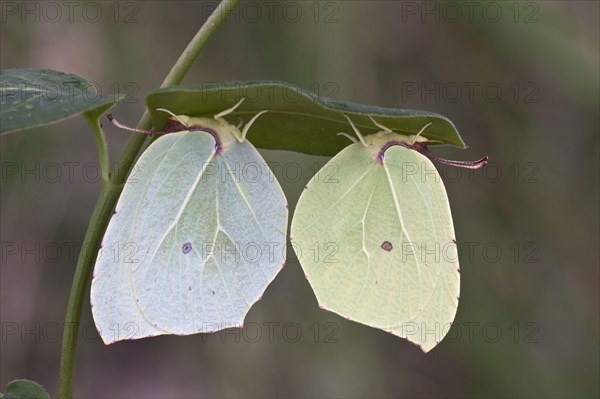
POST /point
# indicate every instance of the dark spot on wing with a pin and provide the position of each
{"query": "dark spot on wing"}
(186, 248)
(387, 246)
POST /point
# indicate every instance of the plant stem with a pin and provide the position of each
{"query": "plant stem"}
(109, 195)
(94, 122)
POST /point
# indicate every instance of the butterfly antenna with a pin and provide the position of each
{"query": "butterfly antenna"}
(131, 129)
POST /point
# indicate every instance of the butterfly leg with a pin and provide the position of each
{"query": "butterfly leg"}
(379, 125)
(356, 131)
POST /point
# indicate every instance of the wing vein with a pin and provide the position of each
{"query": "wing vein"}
(401, 219)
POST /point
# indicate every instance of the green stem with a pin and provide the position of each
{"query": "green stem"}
(109, 194)
(94, 122)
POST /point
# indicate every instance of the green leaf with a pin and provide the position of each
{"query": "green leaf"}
(297, 119)
(25, 389)
(35, 97)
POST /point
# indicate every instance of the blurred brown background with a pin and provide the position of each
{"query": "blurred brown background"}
(519, 79)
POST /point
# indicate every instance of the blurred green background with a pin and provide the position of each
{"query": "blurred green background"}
(519, 79)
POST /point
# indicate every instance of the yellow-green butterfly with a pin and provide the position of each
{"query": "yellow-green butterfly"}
(385, 221)
(197, 235)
